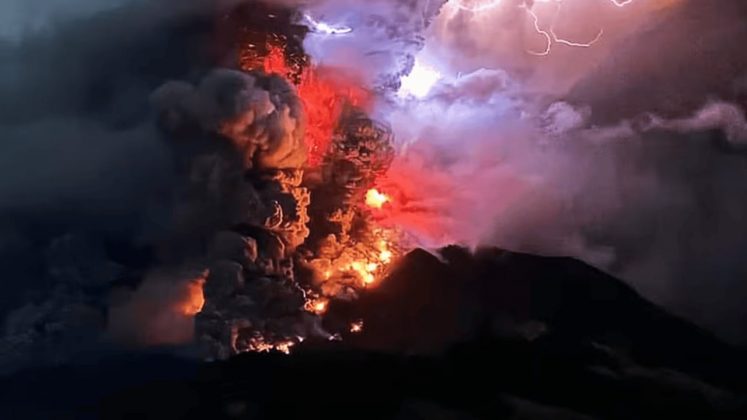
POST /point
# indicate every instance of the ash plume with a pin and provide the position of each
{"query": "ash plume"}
(160, 311)
(386, 35)
(203, 179)
(157, 167)
(616, 153)
(243, 205)
(133, 165)
(264, 124)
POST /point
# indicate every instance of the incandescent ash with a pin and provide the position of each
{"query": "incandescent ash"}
(260, 221)
(251, 198)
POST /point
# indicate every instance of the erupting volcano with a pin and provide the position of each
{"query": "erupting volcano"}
(415, 208)
(320, 240)
(335, 233)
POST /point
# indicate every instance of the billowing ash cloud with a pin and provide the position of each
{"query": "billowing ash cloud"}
(18, 18)
(148, 180)
(240, 123)
(625, 154)
(385, 36)
(265, 124)
(129, 164)
(160, 312)
(115, 175)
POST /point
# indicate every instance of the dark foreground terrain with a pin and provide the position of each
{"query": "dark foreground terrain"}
(459, 336)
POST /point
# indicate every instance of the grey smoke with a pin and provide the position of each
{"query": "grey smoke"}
(87, 183)
(265, 124)
(629, 155)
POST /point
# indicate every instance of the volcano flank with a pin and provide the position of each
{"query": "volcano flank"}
(493, 334)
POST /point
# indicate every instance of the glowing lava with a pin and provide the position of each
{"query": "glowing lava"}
(260, 345)
(323, 92)
(357, 266)
(376, 199)
(358, 252)
(317, 306)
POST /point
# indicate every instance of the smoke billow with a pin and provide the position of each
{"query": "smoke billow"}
(145, 179)
(160, 312)
(265, 125)
(120, 181)
(386, 35)
(624, 153)
(170, 185)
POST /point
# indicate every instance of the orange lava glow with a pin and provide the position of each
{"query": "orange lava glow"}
(347, 261)
(376, 199)
(194, 299)
(364, 263)
(260, 345)
(317, 306)
(421, 201)
(324, 94)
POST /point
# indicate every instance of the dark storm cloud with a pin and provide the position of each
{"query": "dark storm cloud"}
(681, 221)
(79, 166)
(687, 56)
(75, 117)
(78, 145)
(18, 18)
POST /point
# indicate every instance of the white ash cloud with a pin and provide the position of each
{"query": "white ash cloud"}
(724, 116)
(625, 154)
(385, 36)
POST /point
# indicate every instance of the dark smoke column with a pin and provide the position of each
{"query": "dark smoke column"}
(244, 206)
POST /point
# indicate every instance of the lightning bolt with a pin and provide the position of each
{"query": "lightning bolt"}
(549, 33)
(325, 28)
(551, 36)
(491, 4)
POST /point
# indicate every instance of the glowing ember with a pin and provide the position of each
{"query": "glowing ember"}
(320, 306)
(356, 327)
(317, 306)
(359, 265)
(376, 199)
(364, 271)
(260, 345)
(284, 347)
(385, 256)
(274, 62)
